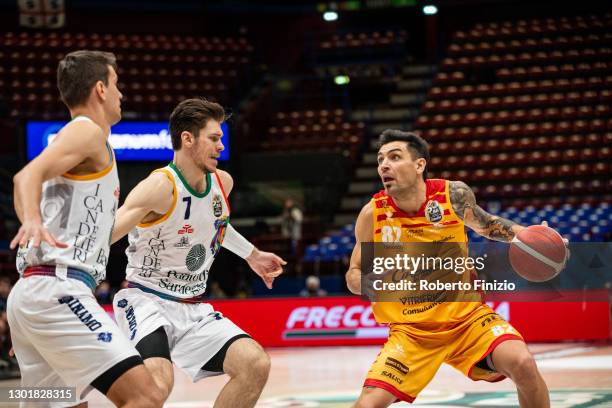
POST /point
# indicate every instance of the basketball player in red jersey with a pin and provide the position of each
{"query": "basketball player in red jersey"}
(469, 336)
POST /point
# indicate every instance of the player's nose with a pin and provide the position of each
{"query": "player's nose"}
(383, 165)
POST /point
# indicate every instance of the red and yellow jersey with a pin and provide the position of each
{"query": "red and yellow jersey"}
(437, 232)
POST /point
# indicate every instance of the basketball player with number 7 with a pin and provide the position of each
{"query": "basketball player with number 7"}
(469, 336)
(178, 219)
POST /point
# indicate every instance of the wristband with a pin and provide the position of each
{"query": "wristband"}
(237, 243)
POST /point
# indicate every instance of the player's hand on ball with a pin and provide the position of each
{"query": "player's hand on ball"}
(565, 240)
(267, 265)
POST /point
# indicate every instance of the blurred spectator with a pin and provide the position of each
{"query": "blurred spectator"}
(216, 292)
(291, 224)
(313, 287)
(5, 289)
(5, 344)
(243, 290)
(104, 296)
(8, 365)
(5, 338)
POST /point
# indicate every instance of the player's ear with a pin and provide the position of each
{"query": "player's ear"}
(99, 90)
(420, 165)
(186, 138)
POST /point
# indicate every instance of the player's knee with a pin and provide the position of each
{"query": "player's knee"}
(153, 398)
(524, 369)
(164, 382)
(150, 396)
(254, 365)
(260, 365)
(165, 389)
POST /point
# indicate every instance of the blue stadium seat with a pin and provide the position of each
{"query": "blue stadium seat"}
(325, 241)
(336, 238)
(348, 229)
(312, 253)
(511, 210)
(332, 253)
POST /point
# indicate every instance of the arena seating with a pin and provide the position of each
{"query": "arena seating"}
(360, 44)
(524, 101)
(155, 71)
(521, 111)
(320, 130)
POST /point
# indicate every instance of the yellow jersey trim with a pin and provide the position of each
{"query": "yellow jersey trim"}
(97, 175)
(174, 198)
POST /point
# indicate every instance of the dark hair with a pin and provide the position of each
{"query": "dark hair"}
(79, 71)
(191, 115)
(416, 145)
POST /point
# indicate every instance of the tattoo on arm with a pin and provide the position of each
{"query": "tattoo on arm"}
(464, 204)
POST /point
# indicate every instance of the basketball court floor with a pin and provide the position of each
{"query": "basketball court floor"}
(578, 375)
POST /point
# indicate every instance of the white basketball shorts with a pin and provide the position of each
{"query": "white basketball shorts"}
(196, 332)
(61, 335)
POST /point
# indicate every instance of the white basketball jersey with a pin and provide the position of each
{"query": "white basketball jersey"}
(171, 256)
(80, 211)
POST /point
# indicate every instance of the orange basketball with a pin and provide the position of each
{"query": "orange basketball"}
(538, 253)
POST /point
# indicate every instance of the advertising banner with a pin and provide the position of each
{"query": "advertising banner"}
(348, 320)
(131, 141)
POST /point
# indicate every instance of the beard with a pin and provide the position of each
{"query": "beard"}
(201, 163)
(402, 191)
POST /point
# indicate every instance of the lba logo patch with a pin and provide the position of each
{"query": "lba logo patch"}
(434, 212)
(217, 205)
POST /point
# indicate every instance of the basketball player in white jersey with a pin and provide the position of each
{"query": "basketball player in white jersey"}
(178, 219)
(66, 200)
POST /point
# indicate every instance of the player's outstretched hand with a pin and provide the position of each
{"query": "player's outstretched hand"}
(266, 264)
(37, 233)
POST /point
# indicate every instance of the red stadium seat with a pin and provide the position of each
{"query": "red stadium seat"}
(600, 169)
(531, 129)
(487, 118)
(558, 142)
(597, 125)
(552, 156)
(486, 160)
(537, 157)
(582, 169)
(590, 154)
(566, 170)
(602, 153)
(571, 156)
(563, 127)
(542, 142)
(512, 173)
